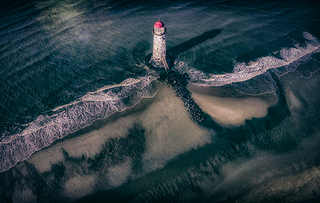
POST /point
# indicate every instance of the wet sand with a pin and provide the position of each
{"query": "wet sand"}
(231, 108)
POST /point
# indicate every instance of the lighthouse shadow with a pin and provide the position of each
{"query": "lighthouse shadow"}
(176, 50)
(173, 52)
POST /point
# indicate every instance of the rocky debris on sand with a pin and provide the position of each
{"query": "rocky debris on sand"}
(179, 83)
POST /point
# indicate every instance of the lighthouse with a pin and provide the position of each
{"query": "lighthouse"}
(158, 58)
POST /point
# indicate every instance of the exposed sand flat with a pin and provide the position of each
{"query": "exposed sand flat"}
(229, 111)
(169, 129)
(287, 177)
(79, 185)
(293, 100)
(169, 132)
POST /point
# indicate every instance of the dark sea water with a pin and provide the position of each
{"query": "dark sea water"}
(83, 118)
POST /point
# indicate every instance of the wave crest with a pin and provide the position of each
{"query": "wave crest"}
(289, 60)
(69, 118)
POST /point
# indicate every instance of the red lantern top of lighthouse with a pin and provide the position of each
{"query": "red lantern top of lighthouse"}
(159, 24)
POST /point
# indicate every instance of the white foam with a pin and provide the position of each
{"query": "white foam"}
(45, 129)
(168, 132)
(88, 144)
(291, 57)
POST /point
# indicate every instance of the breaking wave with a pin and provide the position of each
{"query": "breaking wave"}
(69, 118)
(283, 61)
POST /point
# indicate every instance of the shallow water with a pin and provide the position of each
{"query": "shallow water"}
(83, 118)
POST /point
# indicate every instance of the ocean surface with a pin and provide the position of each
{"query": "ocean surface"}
(83, 118)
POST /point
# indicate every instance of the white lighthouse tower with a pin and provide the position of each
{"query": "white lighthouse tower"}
(158, 58)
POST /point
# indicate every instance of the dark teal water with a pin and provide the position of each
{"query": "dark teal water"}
(72, 70)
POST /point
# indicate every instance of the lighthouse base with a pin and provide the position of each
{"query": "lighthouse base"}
(162, 64)
(158, 63)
